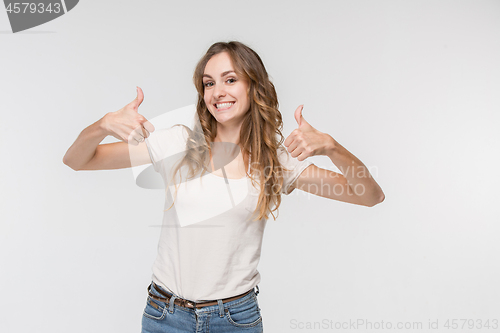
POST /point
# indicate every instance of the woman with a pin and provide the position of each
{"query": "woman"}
(205, 275)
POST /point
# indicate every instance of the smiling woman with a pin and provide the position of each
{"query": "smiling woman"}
(205, 273)
(226, 95)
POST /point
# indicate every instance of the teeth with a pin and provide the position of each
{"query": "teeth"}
(224, 105)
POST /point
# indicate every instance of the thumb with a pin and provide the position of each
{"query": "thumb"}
(298, 114)
(138, 100)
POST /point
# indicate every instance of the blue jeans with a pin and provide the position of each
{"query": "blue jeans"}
(240, 315)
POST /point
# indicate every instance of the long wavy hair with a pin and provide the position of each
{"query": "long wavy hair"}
(260, 134)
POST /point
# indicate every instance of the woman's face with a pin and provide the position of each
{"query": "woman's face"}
(225, 93)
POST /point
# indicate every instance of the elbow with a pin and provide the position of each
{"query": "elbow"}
(380, 199)
(65, 161)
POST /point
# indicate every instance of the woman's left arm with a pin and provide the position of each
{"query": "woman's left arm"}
(356, 185)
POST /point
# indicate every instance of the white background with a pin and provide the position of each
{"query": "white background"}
(409, 87)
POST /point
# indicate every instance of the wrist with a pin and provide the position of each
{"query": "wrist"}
(331, 145)
(102, 126)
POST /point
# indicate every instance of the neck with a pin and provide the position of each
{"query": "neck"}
(228, 134)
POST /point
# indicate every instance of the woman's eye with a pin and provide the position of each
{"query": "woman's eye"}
(207, 84)
(231, 80)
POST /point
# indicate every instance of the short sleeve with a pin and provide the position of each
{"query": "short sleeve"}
(294, 166)
(165, 143)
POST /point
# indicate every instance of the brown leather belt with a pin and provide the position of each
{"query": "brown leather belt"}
(184, 302)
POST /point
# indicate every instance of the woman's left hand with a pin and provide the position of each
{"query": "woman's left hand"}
(306, 141)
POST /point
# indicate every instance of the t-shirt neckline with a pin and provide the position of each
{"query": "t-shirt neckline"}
(232, 179)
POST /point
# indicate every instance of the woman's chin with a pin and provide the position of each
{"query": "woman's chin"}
(222, 118)
(226, 121)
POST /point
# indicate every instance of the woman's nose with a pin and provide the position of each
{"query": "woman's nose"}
(219, 91)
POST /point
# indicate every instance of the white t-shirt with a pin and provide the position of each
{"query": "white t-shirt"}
(209, 246)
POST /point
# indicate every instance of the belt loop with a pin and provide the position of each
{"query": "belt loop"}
(221, 308)
(171, 304)
(257, 292)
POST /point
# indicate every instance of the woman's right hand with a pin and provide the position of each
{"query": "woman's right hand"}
(127, 124)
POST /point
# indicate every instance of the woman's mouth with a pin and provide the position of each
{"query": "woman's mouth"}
(223, 106)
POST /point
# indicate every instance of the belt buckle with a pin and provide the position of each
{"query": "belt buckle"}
(185, 303)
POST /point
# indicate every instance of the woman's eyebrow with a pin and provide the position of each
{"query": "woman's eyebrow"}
(222, 75)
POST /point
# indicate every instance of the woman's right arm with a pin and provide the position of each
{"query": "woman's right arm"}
(126, 125)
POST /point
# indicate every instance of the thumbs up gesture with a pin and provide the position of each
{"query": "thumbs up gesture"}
(306, 141)
(127, 124)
